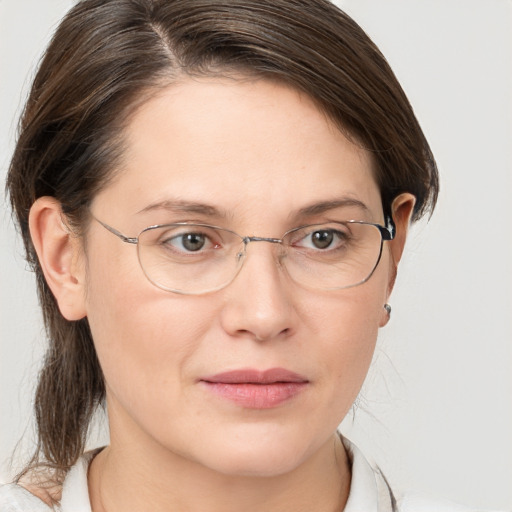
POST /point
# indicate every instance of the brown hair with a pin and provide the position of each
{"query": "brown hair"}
(103, 59)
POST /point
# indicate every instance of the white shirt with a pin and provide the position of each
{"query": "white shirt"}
(369, 492)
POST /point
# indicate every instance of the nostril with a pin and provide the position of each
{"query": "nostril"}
(268, 336)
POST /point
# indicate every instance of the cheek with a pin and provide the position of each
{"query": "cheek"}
(144, 337)
(345, 325)
(351, 341)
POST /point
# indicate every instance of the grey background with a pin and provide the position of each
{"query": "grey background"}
(436, 410)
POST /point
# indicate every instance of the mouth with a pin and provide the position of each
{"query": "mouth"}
(256, 389)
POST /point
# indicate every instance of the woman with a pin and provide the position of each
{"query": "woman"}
(215, 198)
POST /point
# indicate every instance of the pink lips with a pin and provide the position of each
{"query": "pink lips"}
(256, 389)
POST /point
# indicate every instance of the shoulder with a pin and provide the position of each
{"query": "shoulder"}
(70, 495)
(417, 502)
(15, 498)
(370, 491)
(40, 491)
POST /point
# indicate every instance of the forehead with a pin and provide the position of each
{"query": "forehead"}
(248, 148)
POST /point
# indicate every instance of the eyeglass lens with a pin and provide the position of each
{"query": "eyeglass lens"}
(194, 258)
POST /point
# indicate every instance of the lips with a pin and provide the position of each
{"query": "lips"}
(256, 389)
(250, 376)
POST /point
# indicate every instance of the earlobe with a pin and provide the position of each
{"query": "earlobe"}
(385, 315)
(60, 256)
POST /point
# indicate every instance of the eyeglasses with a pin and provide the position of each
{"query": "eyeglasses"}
(195, 259)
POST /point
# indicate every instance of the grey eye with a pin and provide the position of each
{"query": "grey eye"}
(322, 239)
(192, 241)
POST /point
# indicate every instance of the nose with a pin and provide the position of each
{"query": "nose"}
(259, 301)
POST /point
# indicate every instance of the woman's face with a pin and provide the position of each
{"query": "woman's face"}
(251, 156)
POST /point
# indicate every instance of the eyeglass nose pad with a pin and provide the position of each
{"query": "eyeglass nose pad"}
(241, 254)
(239, 259)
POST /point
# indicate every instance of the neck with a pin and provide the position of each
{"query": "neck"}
(131, 477)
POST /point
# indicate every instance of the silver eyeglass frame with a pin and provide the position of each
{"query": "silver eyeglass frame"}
(387, 234)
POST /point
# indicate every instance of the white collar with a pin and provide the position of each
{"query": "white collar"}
(369, 490)
(75, 490)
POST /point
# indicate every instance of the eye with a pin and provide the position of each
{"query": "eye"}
(322, 239)
(190, 242)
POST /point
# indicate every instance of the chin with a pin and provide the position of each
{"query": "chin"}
(262, 464)
(264, 455)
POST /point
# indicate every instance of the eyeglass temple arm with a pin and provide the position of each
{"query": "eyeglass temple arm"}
(127, 239)
(388, 231)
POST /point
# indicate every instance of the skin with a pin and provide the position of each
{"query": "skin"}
(258, 152)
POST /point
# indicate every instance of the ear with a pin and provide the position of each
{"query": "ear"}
(60, 256)
(401, 209)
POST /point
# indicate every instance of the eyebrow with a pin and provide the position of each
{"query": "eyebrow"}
(325, 206)
(179, 206)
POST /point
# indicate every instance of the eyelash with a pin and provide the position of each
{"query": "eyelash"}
(339, 235)
(177, 242)
(167, 242)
